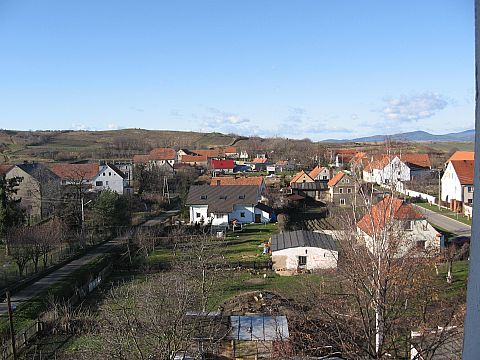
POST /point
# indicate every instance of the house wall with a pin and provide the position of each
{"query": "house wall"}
(304, 178)
(248, 210)
(395, 171)
(421, 231)
(341, 191)
(219, 219)
(30, 193)
(323, 175)
(451, 187)
(265, 217)
(467, 194)
(109, 180)
(200, 209)
(317, 258)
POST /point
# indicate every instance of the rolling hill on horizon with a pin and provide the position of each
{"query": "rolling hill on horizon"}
(463, 136)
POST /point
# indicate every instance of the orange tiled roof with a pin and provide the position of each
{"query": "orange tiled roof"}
(162, 154)
(229, 180)
(75, 171)
(385, 210)
(298, 176)
(141, 159)
(316, 171)
(260, 160)
(4, 168)
(421, 160)
(210, 153)
(338, 176)
(377, 162)
(464, 170)
(194, 158)
(462, 155)
(230, 150)
(282, 162)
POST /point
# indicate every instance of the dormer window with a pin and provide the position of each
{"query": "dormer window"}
(203, 197)
(241, 196)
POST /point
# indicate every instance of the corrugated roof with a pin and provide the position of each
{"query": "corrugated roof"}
(302, 238)
(258, 328)
(221, 199)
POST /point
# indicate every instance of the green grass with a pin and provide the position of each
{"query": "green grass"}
(460, 217)
(458, 286)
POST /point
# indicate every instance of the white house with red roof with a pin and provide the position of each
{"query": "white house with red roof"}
(457, 183)
(222, 166)
(319, 173)
(392, 224)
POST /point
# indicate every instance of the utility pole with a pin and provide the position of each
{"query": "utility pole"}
(12, 330)
(439, 189)
(471, 339)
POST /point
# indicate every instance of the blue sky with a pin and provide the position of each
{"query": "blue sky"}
(318, 69)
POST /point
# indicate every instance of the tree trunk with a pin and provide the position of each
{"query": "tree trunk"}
(449, 272)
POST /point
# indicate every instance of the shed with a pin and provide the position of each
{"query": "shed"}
(294, 251)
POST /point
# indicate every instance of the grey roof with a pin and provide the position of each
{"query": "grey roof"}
(221, 199)
(317, 185)
(38, 171)
(258, 328)
(302, 238)
(117, 170)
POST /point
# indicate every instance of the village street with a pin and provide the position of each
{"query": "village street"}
(445, 222)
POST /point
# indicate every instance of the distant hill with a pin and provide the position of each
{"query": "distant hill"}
(468, 135)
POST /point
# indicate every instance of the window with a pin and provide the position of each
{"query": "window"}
(302, 260)
(342, 202)
(409, 225)
(242, 214)
(203, 197)
(325, 177)
(340, 190)
(98, 183)
(109, 173)
(106, 182)
(425, 226)
(470, 189)
(347, 180)
(470, 201)
(349, 190)
(420, 244)
(103, 174)
(197, 215)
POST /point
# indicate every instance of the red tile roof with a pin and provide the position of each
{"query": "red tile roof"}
(4, 168)
(230, 180)
(141, 159)
(75, 171)
(162, 154)
(260, 160)
(385, 210)
(210, 153)
(377, 162)
(316, 171)
(421, 160)
(464, 170)
(223, 164)
(338, 176)
(298, 176)
(230, 150)
(194, 158)
(462, 155)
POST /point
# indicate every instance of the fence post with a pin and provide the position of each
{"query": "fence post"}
(12, 330)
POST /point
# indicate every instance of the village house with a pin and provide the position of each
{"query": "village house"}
(295, 251)
(194, 160)
(343, 156)
(260, 164)
(319, 173)
(222, 166)
(373, 168)
(221, 205)
(36, 189)
(93, 176)
(240, 180)
(156, 157)
(343, 190)
(408, 227)
(457, 184)
(301, 177)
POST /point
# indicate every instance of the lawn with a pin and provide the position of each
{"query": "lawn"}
(460, 217)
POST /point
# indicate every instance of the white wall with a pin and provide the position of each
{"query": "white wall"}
(248, 210)
(200, 209)
(422, 231)
(317, 258)
(451, 186)
(219, 219)
(396, 171)
(265, 217)
(109, 179)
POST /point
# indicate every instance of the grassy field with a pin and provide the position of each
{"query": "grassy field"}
(460, 217)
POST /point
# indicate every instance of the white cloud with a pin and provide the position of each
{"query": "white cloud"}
(413, 108)
(82, 127)
(225, 122)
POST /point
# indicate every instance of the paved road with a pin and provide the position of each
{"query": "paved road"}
(445, 222)
(47, 281)
(158, 220)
